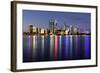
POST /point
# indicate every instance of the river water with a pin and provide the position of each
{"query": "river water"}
(56, 47)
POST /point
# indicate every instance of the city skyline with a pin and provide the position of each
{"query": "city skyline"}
(56, 36)
(41, 19)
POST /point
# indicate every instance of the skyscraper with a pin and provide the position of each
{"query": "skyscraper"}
(31, 28)
(52, 25)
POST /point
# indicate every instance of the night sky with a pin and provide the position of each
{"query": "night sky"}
(41, 19)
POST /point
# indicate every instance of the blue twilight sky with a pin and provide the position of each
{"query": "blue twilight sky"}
(41, 19)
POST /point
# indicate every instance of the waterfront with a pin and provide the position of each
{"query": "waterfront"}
(38, 48)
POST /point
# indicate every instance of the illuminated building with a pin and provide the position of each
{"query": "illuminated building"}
(42, 31)
(73, 29)
(65, 29)
(38, 30)
(34, 30)
(52, 26)
(66, 32)
(53, 30)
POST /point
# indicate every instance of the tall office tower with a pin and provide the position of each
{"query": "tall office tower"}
(70, 29)
(31, 29)
(52, 25)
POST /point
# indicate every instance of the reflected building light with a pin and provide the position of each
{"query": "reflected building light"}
(66, 46)
(56, 48)
(34, 42)
(77, 43)
(34, 48)
(71, 48)
(60, 47)
(28, 42)
(42, 46)
(87, 47)
(51, 46)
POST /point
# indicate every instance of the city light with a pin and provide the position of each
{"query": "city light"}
(53, 29)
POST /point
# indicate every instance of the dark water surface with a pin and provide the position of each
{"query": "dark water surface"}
(56, 48)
